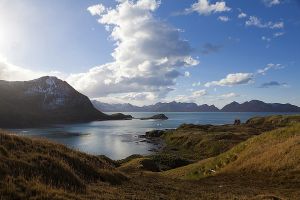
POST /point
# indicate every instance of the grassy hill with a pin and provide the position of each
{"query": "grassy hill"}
(274, 154)
(256, 160)
(30, 167)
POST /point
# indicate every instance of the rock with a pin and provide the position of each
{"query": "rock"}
(120, 116)
(154, 133)
(159, 116)
(237, 122)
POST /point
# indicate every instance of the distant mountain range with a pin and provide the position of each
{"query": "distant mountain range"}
(249, 106)
(49, 100)
(46, 100)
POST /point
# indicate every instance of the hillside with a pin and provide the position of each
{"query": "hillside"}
(273, 155)
(46, 100)
(32, 167)
(259, 161)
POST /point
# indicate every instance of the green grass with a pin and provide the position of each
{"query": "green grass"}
(198, 142)
(274, 152)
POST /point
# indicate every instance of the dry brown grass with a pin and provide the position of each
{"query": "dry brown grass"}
(45, 164)
(273, 154)
(263, 167)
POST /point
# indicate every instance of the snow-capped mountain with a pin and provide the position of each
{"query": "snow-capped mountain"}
(44, 101)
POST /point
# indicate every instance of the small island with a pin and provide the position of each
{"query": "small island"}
(159, 117)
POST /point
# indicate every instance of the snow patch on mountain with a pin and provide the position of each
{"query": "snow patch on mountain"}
(53, 91)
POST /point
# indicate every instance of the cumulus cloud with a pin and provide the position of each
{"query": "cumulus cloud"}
(228, 95)
(269, 67)
(272, 84)
(242, 15)
(223, 18)
(148, 56)
(136, 98)
(257, 22)
(195, 96)
(232, 79)
(96, 9)
(204, 7)
(270, 3)
(196, 84)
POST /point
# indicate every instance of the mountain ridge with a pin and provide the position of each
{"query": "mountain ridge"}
(248, 106)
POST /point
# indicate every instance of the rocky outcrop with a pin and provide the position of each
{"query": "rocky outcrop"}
(154, 133)
(159, 117)
(120, 116)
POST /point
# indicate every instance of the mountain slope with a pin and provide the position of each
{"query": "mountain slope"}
(44, 101)
(259, 106)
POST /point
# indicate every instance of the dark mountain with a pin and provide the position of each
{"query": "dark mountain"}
(105, 107)
(251, 106)
(259, 106)
(207, 108)
(46, 100)
(158, 107)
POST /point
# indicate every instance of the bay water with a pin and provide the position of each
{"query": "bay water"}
(119, 139)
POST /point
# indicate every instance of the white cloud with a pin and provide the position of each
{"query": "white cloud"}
(148, 56)
(269, 67)
(277, 25)
(204, 7)
(264, 38)
(11, 72)
(138, 98)
(187, 74)
(232, 79)
(196, 84)
(229, 95)
(242, 15)
(96, 9)
(255, 21)
(194, 97)
(271, 3)
(223, 18)
(199, 93)
(278, 34)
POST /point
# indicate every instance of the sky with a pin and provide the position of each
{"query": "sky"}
(146, 51)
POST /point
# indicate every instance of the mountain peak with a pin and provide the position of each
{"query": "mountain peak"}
(42, 101)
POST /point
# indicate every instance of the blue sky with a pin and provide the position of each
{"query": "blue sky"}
(147, 51)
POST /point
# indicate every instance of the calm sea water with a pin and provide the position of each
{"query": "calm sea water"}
(119, 139)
